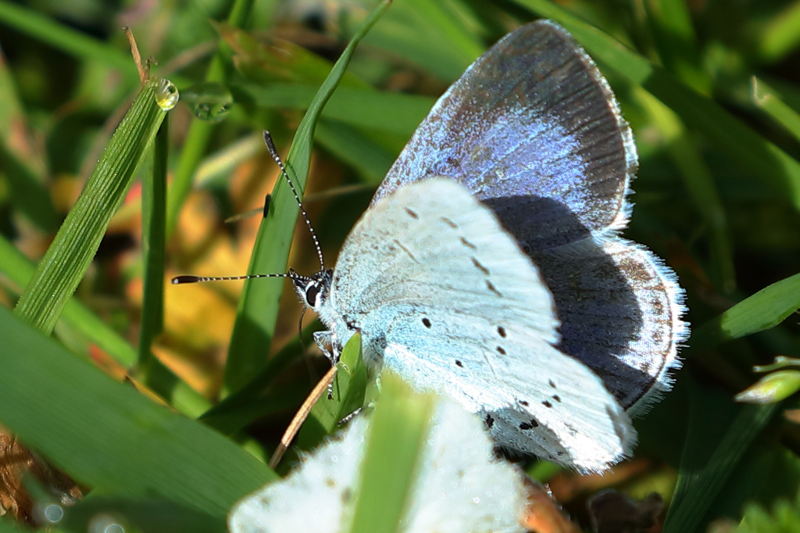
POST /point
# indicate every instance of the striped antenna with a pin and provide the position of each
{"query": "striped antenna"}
(277, 158)
(178, 280)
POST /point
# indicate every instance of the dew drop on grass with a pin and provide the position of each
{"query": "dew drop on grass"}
(166, 94)
(208, 100)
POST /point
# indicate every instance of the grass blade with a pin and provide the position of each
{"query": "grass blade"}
(706, 467)
(764, 159)
(154, 191)
(761, 311)
(65, 39)
(63, 266)
(397, 432)
(768, 101)
(108, 436)
(258, 306)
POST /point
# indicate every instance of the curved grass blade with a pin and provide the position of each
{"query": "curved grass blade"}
(108, 436)
(347, 396)
(761, 311)
(180, 395)
(770, 103)
(395, 442)
(258, 306)
(65, 39)
(66, 260)
(708, 461)
(763, 158)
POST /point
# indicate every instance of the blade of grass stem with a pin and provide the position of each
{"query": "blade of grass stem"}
(258, 306)
(66, 260)
(758, 312)
(109, 437)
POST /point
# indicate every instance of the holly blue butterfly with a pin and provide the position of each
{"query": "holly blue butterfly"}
(526, 307)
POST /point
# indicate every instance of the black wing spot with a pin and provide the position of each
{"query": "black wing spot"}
(449, 222)
(459, 364)
(523, 402)
(551, 383)
(557, 398)
(480, 267)
(547, 404)
(489, 421)
(525, 425)
(351, 325)
(502, 332)
(468, 244)
(411, 213)
(500, 350)
(492, 288)
(426, 322)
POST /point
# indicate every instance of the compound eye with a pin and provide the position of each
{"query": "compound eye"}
(311, 295)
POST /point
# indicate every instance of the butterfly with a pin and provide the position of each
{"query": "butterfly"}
(489, 268)
(510, 289)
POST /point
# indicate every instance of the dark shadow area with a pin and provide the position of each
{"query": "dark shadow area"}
(595, 301)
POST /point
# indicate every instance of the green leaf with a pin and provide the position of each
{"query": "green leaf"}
(764, 160)
(395, 443)
(258, 305)
(63, 266)
(771, 388)
(400, 113)
(19, 270)
(109, 437)
(349, 385)
(761, 311)
(769, 102)
(717, 440)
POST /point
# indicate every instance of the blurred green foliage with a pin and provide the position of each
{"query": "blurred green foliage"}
(710, 88)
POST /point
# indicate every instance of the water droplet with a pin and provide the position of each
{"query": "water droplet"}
(166, 94)
(209, 100)
(53, 513)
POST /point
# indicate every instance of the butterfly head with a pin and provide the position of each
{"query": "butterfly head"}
(314, 289)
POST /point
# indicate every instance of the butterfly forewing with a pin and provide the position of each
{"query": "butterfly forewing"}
(532, 117)
(455, 306)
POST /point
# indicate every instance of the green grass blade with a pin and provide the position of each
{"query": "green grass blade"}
(65, 39)
(356, 148)
(19, 270)
(349, 385)
(400, 113)
(761, 311)
(705, 467)
(395, 442)
(763, 159)
(109, 437)
(154, 191)
(780, 36)
(699, 185)
(768, 101)
(258, 306)
(63, 266)
(199, 134)
(676, 42)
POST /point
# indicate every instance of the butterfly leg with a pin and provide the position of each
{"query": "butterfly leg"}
(326, 342)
